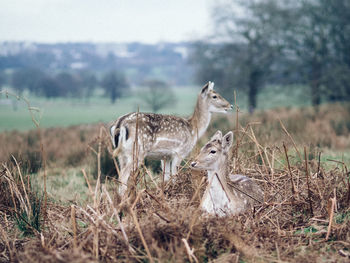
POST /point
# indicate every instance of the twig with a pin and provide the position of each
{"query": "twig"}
(239, 190)
(155, 199)
(95, 242)
(268, 161)
(277, 252)
(88, 183)
(331, 207)
(141, 235)
(319, 164)
(290, 172)
(109, 199)
(237, 127)
(23, 186)
(258, 147)
(97, 187)
(307, 181)
(162, 217)
(27, 207)
(291, 138)
(74, 226)
(150, 175)
(7, 243)
(197, 191)
(137, 199)
(190, 252)
(347, 175)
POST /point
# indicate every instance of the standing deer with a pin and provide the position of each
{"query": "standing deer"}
(223, 197)
(164, 137)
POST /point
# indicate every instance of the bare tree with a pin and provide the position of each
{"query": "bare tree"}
(114, 84)
(157, 95)
(3, 79)
(279, 41)
(245, 59)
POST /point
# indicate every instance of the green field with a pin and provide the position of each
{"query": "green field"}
(14, 114)
(65, 112)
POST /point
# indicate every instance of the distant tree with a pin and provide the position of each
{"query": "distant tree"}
(3, 78)
(336, 14)
(306, 39)
(20, 80)
(27, 79)
(157, 95)
(318, 38)
(69, 84)
(50, 87)
(88, 82)
(258, 50)
(279, 41)
(114, 84)
(245, 58)
(336, 83)
(209, 65)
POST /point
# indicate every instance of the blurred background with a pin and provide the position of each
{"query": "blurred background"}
(90, 61)
(68, 67)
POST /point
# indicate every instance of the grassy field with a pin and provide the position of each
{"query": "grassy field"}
(65, 112)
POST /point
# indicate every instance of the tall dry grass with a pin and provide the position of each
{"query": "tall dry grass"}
(305, 216)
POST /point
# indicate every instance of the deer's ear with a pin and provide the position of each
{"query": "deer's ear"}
(211, 85)
(227, 141)
(204, 90)
(216, 136)
(207, 87)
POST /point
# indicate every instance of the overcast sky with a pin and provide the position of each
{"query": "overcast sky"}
(147, 21)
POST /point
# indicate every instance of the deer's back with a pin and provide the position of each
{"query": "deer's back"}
(246, 189)
(158, 134)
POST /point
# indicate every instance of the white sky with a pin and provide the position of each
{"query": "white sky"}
(147, 21)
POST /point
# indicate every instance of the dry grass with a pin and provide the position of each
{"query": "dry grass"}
(305, 216)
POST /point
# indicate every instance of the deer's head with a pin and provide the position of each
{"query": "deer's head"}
(213, 100)
(214, 154)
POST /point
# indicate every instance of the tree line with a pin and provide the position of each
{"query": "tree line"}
(79, 84)
(155, 95)
(278, 42)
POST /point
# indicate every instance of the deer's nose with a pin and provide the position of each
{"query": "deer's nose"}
(193, 164)
(231, 106)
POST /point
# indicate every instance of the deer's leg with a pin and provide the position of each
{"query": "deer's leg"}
(123, 178)
(174, 164)
(170, 167)
(128, 170)
(125, 171)
(166, 169)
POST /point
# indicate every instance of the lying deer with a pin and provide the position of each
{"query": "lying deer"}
(164, 137)
(223, 196)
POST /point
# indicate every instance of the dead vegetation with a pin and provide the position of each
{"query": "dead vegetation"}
(305, 216)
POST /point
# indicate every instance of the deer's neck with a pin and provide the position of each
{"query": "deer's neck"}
(218, 198)
(200, 118)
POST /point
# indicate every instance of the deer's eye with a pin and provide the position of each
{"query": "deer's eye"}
(212, 152)
(214, 97)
